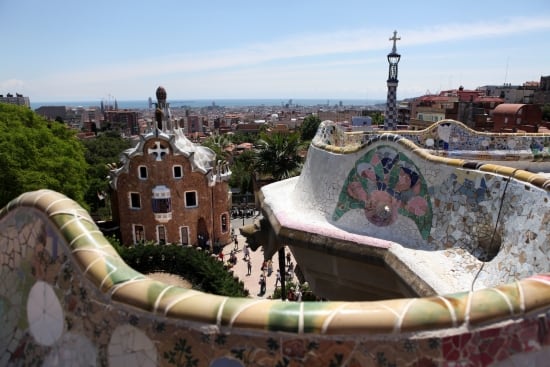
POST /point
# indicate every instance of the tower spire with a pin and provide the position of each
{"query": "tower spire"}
(394, 39)
(390, 121)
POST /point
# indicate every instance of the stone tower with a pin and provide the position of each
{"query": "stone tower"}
(390, 120)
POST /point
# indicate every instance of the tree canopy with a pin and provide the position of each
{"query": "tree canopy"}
(278, 155)
(309, 127)
(242, 171)
(38, 154)
(101, 150)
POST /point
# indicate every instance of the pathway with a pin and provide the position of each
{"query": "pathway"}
(240, 270)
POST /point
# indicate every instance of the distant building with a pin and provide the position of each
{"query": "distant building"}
(169, 190)
(517, 94)
(123, 120)
(193, 124)
(81, 118)
(511, 117)
(361, 123)
(471, 107)
(18, 99)
(542, 94)
(52, 112)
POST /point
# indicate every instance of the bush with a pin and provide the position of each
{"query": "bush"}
(206, 273)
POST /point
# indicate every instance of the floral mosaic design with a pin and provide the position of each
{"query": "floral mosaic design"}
(385, 183)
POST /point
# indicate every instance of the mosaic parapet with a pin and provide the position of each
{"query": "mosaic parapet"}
(83, 303)
(448, 138)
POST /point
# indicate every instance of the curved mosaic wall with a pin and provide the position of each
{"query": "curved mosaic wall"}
(67, 298)
(448, 138)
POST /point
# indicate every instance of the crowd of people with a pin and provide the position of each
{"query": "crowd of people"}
(266, 269)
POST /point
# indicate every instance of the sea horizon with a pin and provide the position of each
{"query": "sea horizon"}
(221, 102)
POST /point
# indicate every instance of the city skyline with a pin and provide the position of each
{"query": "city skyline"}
(65, 50)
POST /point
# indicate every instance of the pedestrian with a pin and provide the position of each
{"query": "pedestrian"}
(262, 285)
(236, 243)
(269, 267)
(278, 278)
(288, 258)
(220, 256)
(246, 252)
(249, 266)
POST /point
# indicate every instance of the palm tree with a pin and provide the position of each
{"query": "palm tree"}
(243, 171)
(219, 143)
(277, 156)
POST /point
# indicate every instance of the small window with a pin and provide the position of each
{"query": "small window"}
(161, 235)
(225, 221)
(139, 233)
(184, 236)
(162, 205)
(178, 172)
(135, 200)
(142, 172)
(191, 199)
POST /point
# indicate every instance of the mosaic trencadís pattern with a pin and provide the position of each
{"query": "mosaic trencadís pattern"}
(383, 184)
(446, 138)
(67, 298)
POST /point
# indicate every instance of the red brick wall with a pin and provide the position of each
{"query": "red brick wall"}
(212, 201)
(530, 116)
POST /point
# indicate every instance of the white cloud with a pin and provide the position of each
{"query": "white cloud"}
(12, 85)
(312, 59)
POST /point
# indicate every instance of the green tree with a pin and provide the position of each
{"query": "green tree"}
(377, 118)
(278, 155)
(100, 151)
(39, 154)
(242, 171)
(218, 144)
(309, 127)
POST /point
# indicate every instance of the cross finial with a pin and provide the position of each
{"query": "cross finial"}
(158, 151)
(394, 38)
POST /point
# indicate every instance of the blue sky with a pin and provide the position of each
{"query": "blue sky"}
(90, 50)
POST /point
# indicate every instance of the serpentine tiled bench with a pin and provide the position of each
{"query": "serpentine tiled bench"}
(66, 297)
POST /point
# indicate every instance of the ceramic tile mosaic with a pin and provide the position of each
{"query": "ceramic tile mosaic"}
(66, 298)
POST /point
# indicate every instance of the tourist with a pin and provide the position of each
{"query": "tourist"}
(288, 258)
(249, 267)
(262, 285)
(236, 248)
(278, 278)
(290, 267)
(269, 267)
(232, 258)
(246, 252)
